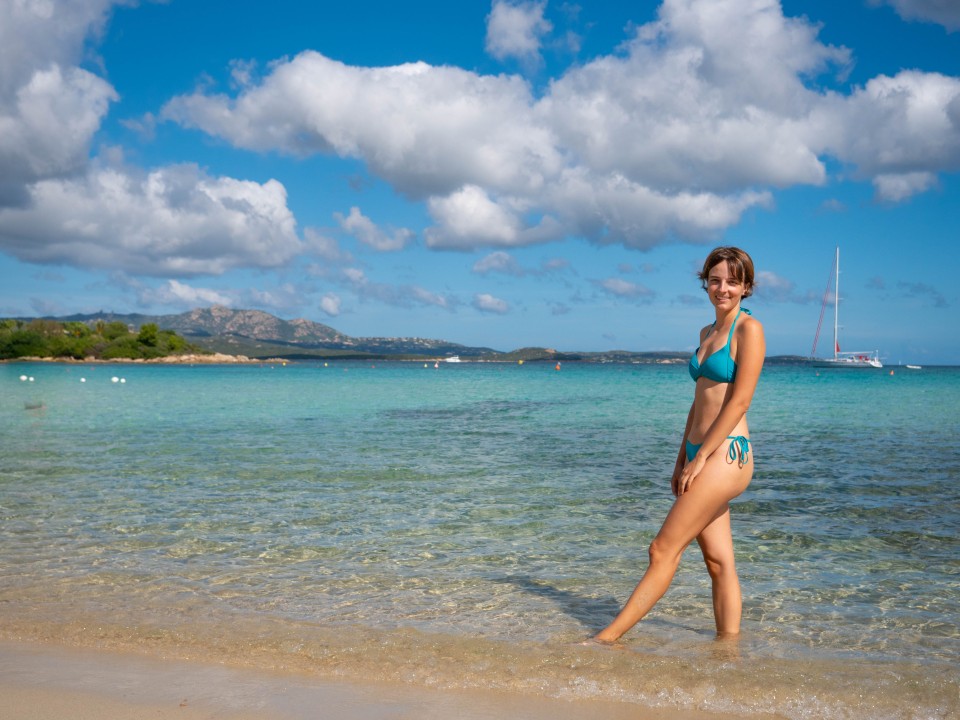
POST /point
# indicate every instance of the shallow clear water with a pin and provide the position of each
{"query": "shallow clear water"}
(316, 516)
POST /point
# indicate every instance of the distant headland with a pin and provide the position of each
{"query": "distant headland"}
(223, 335)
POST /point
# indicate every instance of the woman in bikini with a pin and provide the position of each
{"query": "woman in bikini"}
(714, 462)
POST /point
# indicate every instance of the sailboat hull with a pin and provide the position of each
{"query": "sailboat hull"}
(846, 363)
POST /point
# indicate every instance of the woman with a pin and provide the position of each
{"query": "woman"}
(714, 463)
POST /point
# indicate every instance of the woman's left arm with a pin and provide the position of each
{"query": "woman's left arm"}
(751, 350)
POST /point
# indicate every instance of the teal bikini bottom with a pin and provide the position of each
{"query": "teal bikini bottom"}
(739, 449)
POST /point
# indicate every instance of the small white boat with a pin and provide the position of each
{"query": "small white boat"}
(452, 358)
(847, 359)
(913, 367)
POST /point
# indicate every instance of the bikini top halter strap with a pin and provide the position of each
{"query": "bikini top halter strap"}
(732, 326)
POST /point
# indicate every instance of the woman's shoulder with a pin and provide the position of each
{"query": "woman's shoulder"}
(749, 327)
(748, 320)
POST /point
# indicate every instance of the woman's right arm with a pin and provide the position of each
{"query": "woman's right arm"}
(682, 454)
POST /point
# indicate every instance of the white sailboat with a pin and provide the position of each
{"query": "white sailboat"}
(845, 359)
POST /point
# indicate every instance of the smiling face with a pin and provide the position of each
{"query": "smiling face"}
(727, 276)
(724, 289)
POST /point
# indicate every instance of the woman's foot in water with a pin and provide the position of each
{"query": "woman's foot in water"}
(597, 640)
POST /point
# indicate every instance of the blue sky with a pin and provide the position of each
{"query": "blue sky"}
(497, 174)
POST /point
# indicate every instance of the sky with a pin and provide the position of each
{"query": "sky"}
(498, 174)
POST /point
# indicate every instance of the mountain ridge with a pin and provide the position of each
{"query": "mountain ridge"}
(217, 327)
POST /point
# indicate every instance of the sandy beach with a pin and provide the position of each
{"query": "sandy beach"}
(48, 682)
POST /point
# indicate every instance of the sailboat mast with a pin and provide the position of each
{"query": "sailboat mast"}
(836, 306)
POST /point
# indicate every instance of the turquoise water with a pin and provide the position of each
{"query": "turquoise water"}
(462, 526)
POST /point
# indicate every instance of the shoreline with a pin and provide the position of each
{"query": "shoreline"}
(285, 670)
(189, 359)
(45, 681)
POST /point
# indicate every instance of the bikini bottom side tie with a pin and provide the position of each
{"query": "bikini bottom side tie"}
(739, 449)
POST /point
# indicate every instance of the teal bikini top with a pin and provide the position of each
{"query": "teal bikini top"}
(719, 366)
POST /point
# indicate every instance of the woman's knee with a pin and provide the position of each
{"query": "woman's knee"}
(720, 567)
(664, 553)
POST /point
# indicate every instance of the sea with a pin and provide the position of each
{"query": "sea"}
(466, 525)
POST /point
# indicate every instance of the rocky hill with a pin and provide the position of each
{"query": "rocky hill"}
(254, 324)
(257, 334)
(260, 334)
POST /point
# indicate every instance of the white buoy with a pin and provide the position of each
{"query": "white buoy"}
(83, 379)
(114, 379)
(123, 380)
(23, 378)
(31, 378)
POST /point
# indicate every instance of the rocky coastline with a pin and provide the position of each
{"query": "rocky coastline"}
(185, 359)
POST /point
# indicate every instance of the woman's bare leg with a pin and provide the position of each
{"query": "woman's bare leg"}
(716, 543)
(693, 511)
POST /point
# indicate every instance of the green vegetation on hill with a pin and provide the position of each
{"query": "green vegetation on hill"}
(78, 340)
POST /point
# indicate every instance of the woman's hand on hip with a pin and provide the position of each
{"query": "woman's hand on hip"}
(675, 478)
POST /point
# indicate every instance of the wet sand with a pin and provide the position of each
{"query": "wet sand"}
(48, 682)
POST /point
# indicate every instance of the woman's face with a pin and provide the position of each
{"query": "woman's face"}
(723, 289)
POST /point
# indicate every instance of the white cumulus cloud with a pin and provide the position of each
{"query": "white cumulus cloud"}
(908, 123)
(183, 295)
(484, 302)
(59, 205)
(894, 187)
(175, 220)
(427, 130)
(500, 262)
(692, 123)
(515, 29)
(366, 231)
(688, 127)
(39, 34)
(49, 107)
(625, 289)
(471, 216)
(330, 304)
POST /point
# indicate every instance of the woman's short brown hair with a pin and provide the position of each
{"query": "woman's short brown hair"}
(739, 263)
